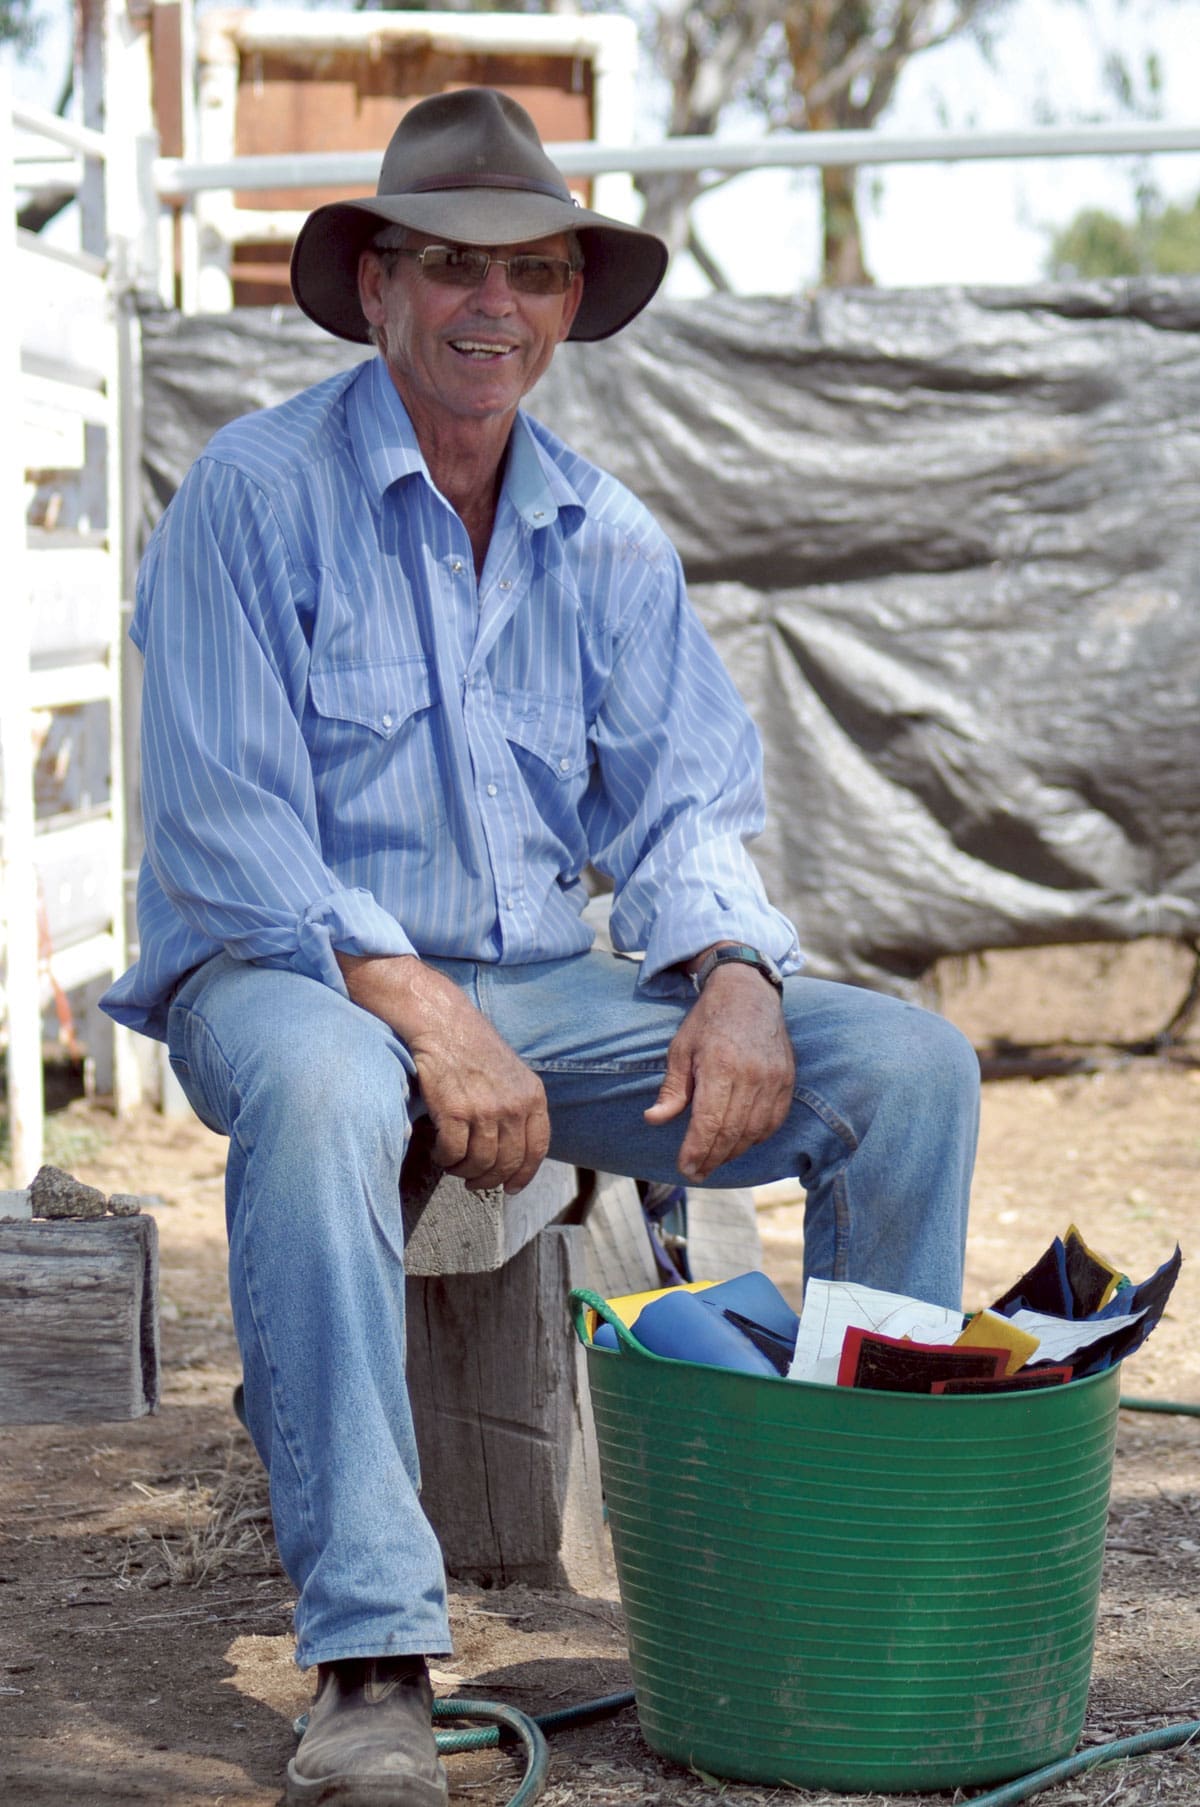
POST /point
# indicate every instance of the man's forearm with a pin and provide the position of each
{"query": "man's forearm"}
(409, 996)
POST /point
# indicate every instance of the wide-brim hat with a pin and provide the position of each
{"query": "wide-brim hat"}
(469, 167)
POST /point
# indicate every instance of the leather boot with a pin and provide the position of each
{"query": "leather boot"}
(369, 1741)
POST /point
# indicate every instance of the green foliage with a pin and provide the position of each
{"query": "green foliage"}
(17, 23)
(1163, 241)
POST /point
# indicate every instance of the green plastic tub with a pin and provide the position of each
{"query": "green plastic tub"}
(848, 1589)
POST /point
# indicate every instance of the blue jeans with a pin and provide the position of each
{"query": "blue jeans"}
(317, 1097)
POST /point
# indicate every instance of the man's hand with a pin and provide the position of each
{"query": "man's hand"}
(488, 1107)
(731, 1060)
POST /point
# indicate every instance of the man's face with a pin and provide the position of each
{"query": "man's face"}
(464, 353)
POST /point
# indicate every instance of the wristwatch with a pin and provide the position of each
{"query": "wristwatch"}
(738, 954)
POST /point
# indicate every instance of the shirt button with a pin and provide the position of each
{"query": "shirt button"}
(387, 721)
(456, 566)
(506, 583)
(508, 903)
(539, 514)
(491, 790)
(564, 765)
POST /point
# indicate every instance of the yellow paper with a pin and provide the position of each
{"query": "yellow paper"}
(1101, 1261)
(988, 1330)
(629, 1306)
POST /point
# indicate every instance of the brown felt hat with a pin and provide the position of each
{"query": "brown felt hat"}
(469, 167)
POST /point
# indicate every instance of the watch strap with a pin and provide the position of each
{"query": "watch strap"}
(737, 953)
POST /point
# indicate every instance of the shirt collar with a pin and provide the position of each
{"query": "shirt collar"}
(538, 491)
(385, 449)
(381, 433)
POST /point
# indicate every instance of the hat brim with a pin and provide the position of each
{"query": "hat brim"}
(623, 266)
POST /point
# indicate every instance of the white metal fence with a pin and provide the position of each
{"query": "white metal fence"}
(61, 761)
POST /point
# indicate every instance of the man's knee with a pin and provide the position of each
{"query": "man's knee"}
(290, 1052)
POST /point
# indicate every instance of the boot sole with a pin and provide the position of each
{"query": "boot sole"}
(364, 1791)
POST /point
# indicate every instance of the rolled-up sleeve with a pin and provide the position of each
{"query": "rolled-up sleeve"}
(228, 796)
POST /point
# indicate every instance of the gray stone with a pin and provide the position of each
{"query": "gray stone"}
(125, 1204)
(53, 1193)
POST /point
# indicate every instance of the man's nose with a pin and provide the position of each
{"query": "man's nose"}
(495, 292)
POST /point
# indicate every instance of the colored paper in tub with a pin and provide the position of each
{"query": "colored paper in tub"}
(832, 1307)
(1044, 1288)
(777, 1349)
(629, 1306)
(1092, 1277)
(1060, 1340)
(1028, 1381)
(987, 1330)
(895, 1364)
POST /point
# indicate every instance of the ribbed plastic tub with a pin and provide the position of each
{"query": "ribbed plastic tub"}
(848, 1589)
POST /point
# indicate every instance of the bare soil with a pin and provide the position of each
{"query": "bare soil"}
(145, 1649)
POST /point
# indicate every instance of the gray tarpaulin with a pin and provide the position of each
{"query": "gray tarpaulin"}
(948, 543)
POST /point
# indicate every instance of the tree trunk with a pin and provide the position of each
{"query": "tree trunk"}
(843, 265)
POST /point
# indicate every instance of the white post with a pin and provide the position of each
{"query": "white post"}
(26, 1109)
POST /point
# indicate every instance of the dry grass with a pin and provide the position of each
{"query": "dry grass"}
(208, 1529)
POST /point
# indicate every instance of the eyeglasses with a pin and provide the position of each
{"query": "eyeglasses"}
(456, 268)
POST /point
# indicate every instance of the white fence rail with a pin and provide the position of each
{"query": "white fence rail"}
(61, 779)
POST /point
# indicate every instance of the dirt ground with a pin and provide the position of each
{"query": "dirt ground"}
(145, 1653)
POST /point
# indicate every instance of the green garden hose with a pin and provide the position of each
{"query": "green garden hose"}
(530, 1732)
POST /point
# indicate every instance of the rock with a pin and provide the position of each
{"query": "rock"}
(125, 1204)
(53, 1193)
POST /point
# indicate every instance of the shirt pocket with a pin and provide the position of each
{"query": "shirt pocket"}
(374, 739)
(382, 698)
(549, 730)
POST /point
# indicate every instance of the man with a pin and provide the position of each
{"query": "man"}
(410, 665)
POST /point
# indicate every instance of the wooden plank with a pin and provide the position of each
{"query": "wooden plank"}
(78, 1320)
(450, 1230)
(510, 1477)
(722, 1233)
(619, 1257)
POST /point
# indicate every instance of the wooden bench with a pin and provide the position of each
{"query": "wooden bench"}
(510, 1475)
(496, 1374)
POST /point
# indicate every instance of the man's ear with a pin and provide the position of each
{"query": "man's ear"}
(371, 279)
(571, 300)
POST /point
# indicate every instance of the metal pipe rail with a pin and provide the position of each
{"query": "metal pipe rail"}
(824, 150)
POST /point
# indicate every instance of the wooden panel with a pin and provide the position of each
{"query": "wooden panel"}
(509, 1472)
(619, 1257)
(78, 1320)
(352, 100)
(722, 1233)
(166, 61)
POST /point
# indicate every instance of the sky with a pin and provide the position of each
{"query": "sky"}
(982, 222)
(923, 224)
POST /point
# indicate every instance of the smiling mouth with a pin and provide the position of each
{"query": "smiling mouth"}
(481, 351)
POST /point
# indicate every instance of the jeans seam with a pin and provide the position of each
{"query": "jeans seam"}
(829, 1117)
(841, 1227)
(594, 1066)
(252, 1288)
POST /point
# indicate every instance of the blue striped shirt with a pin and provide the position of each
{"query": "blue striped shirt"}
(348, 744)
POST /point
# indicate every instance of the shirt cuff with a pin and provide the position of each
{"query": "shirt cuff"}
(345, 922)
(679, 933)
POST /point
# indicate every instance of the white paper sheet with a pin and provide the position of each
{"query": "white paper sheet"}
(831, 1307)
(1059, 1340)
